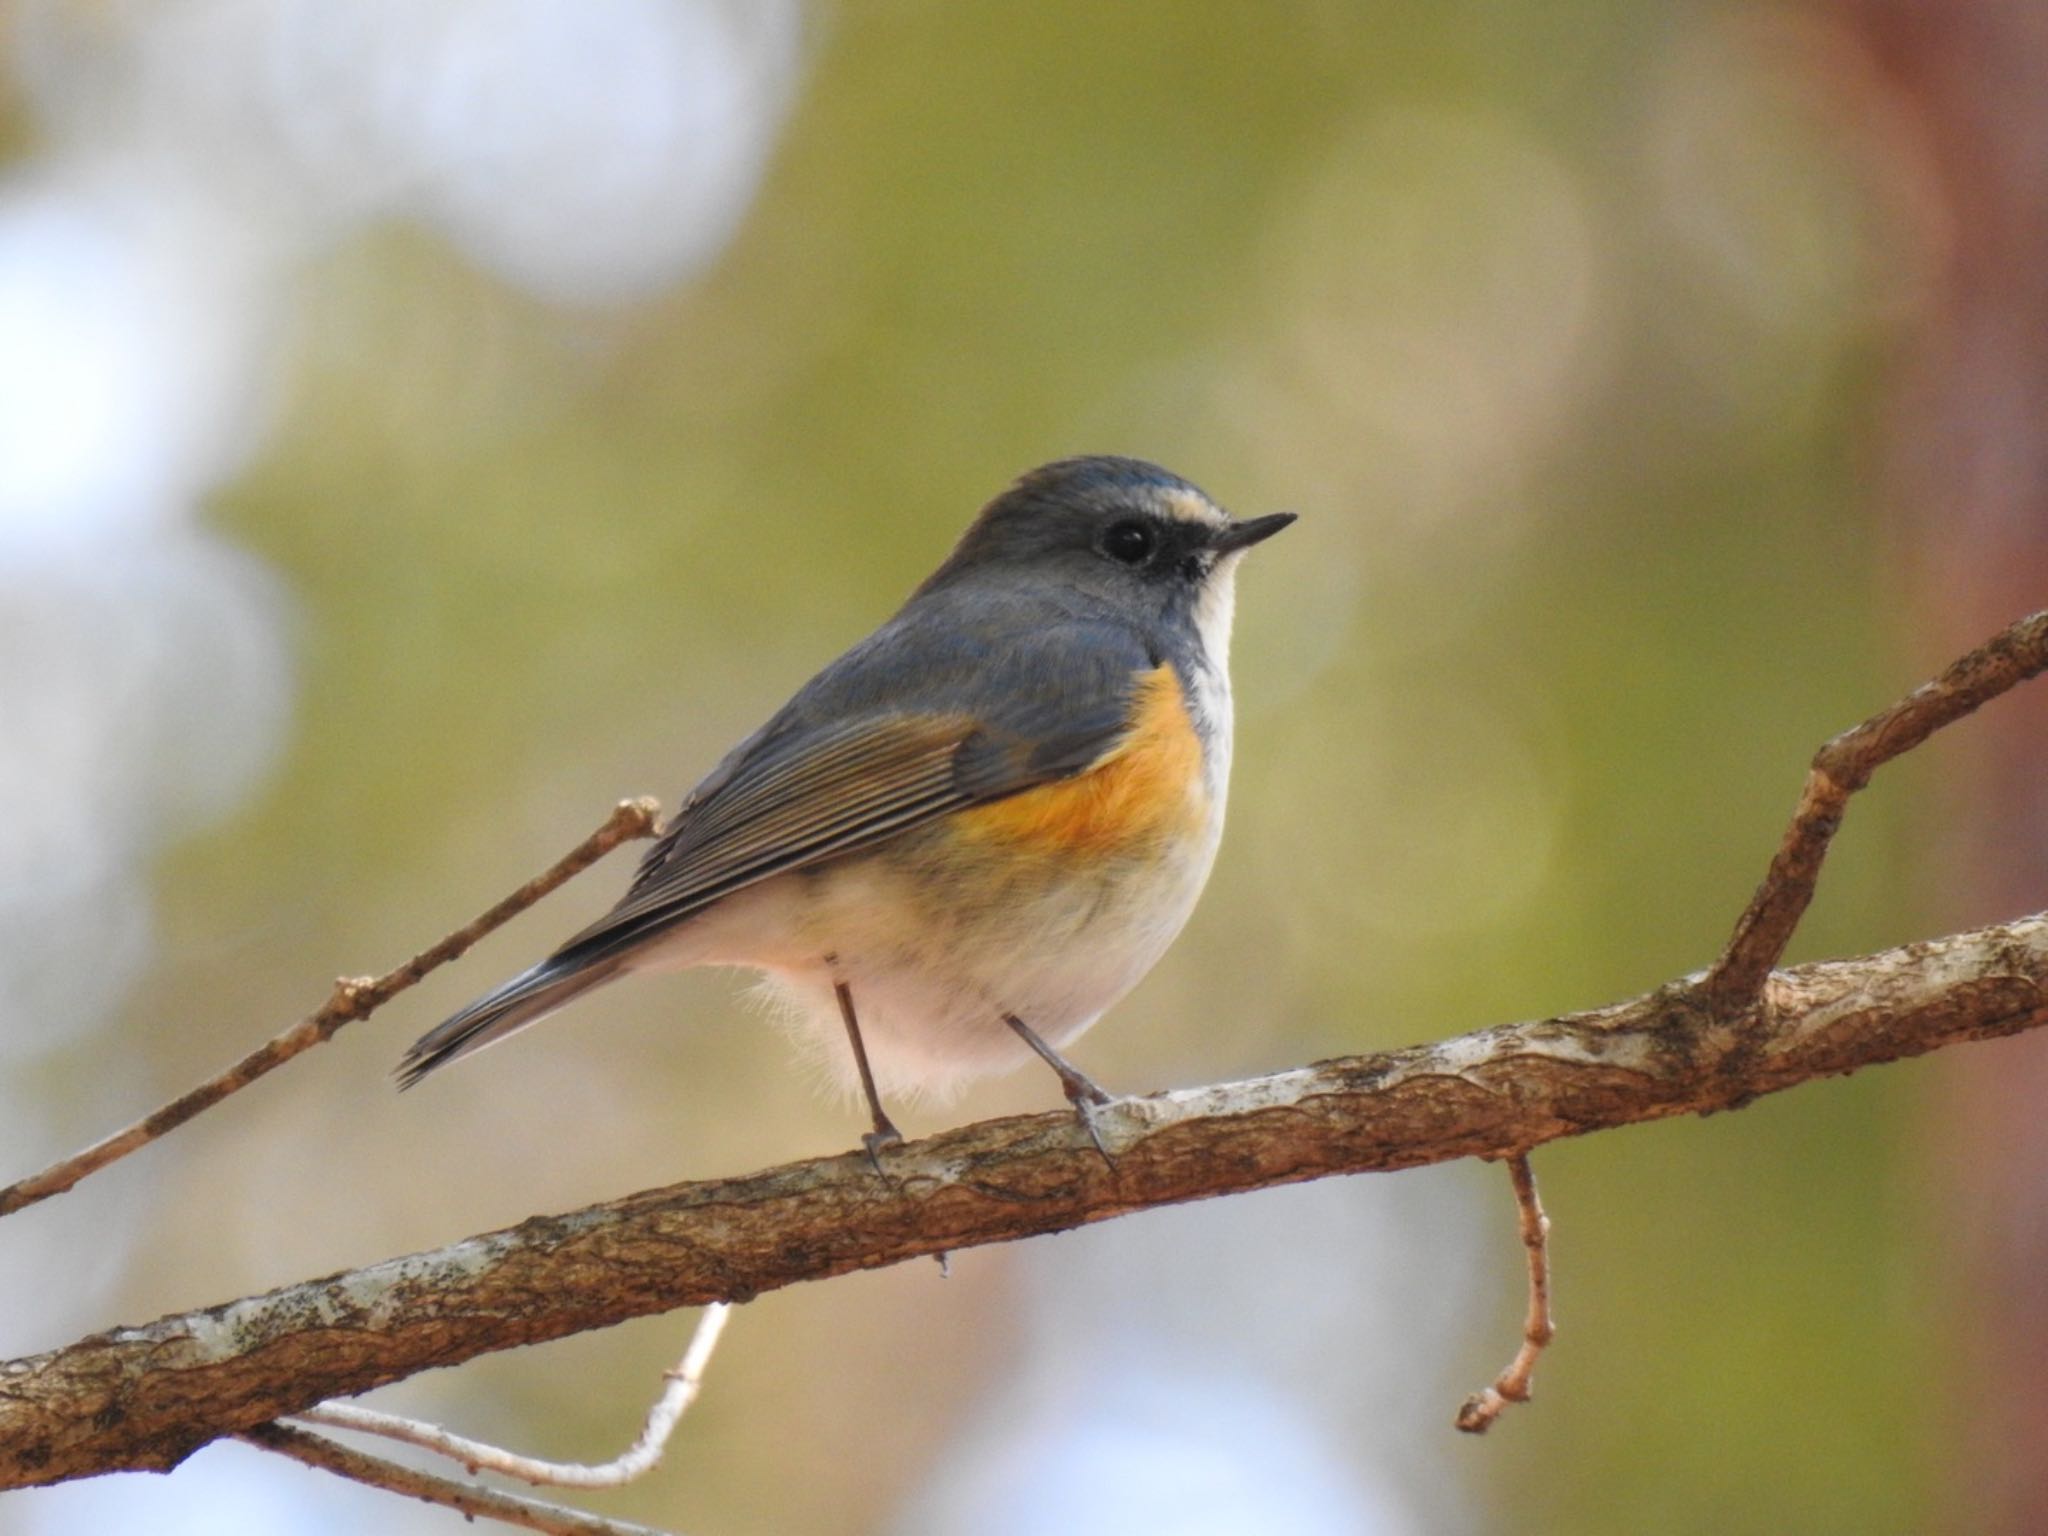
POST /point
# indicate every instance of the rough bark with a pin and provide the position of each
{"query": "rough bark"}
(144, 1398)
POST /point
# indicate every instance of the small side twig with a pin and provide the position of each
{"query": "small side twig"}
(465, 1498)
(1479, 1411)
(353, 998)
(684, 1383)
(1840, 768)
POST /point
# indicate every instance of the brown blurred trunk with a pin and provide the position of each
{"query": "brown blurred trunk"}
(1963, 88)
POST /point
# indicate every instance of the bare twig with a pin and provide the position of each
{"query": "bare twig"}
(1735, 985)
(353, 998)
(1512, 1385)
(147, 1397)
(1842, 767)
(466, 1498)
(683, 1384)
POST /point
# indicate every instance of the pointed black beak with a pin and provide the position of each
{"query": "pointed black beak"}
(1232, 537)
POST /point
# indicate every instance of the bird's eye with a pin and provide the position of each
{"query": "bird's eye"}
(1131, 543)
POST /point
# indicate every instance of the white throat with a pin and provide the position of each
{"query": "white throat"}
(1215, 608)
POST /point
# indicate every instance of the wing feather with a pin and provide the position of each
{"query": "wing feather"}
(840, 768)
(1021, 691)
(801, 806)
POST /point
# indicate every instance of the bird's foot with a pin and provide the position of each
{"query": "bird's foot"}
(1089, 1101)
(1086, 1095)
(883, 1135)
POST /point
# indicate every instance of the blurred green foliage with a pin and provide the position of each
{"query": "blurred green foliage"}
(1522, 702)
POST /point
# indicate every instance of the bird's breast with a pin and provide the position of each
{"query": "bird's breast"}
(1151, 788)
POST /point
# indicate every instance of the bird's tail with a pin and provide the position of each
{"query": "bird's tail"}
(531, 995)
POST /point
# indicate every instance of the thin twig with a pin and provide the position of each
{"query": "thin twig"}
(1840, 768)
(684, 1382)
(466, 1498)
(1512, 1385)
(353, 998)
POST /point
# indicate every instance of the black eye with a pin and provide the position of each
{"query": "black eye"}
(1131, 542)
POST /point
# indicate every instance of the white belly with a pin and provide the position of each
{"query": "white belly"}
(937, 946)
(933, 973)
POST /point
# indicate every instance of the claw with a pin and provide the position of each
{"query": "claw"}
(1082, 1091)
(1085, 1107)
(883, 1135)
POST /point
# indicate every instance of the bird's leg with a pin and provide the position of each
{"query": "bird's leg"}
(1082, 1091)
(885, 1133)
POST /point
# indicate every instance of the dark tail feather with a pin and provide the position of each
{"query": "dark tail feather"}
(529, 996)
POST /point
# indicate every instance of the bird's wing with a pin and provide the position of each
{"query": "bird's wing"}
(800, 792)
(1009, 706)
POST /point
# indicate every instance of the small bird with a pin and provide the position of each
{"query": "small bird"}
(974, 832)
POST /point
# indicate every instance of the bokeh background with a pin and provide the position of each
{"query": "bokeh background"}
(423, 424)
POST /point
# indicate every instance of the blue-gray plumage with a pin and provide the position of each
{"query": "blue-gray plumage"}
(1083, 614)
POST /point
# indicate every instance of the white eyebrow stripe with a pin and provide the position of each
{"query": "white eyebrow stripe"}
(1189, 507)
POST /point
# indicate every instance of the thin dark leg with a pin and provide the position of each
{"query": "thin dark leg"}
(1082, 1091)
(885, 1133)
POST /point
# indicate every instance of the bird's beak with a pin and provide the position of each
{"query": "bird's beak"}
(1232, 537)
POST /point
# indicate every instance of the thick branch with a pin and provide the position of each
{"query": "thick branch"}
(147, 1397)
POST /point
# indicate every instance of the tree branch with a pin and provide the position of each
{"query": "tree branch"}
(141, 1398)
(1840, 768)
(680, 1387)
(147, 1397)
(354, 997)
(465, 1498)
(1477, 1413)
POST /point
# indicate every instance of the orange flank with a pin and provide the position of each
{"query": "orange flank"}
(1148, 786)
